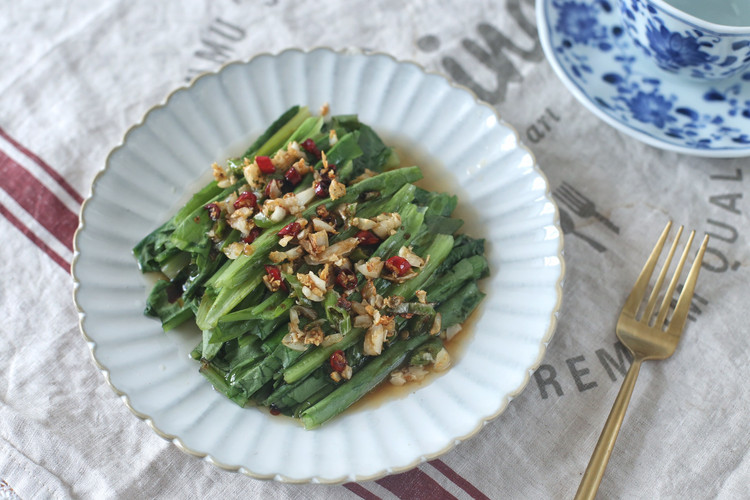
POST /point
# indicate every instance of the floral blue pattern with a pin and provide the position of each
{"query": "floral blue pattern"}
(591, 52)
(578, 22)
(674, 50)
(650, 108)
(681, 47)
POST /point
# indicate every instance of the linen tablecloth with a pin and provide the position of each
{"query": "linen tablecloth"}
(77, 74)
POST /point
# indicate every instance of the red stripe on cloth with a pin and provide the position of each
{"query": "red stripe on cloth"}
(414, 485)
(51, 171)
(458, 480)
(39, 201)
(361, 491)
(34, 238)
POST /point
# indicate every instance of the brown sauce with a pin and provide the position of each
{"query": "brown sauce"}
(436, 178)
(387, 392)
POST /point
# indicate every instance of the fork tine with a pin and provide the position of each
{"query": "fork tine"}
(570, 199)
(564, 198)
(569, 193)
(575, 192)
(667, 301)
(677, 322)
(660, 280)
(639, 289)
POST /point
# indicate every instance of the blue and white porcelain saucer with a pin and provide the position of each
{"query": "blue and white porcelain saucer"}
(595, 58)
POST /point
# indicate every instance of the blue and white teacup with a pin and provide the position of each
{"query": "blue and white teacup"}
(700, 39)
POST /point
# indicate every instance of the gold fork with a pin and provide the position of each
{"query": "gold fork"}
(647, 338)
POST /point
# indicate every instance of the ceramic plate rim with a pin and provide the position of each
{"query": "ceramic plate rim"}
(207, 456)
(549, 52)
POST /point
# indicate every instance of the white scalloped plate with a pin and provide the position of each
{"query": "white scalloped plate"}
(170, 150)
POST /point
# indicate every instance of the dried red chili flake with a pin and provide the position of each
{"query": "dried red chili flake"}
(293, 176)
(214, 212)
(346, 279)
(367, 238)
(398, 265)
(265, 164)
(253, 235)
(344, 303)
(312, 148)
(321, 187)
(246, 199)
(274, 272)
(291, 229)
(338, 361)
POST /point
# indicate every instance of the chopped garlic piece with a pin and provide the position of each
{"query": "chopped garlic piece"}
(374, 339)
(452, 331)
(306, 196)
(278, 214)
(372, 268)
(408, 374)
(321, 225)
(362, 321)
(386, 224)
(284, 241)
(363, 224)
(283, 159)
(313, 287)
(397, 378)
(253, 175)
(314, 336)
(436, 324)
(242, 220)
(223, 180)
(234, 250)
(442, 360)
(291, 255)
(228, 203)
(334, 252)
(332, 339)
(412, 258)
(316, 243)
(336, 190)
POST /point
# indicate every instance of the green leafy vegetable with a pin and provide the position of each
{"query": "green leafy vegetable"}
(314, 268)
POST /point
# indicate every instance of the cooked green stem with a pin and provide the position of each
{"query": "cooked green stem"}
(361, 383)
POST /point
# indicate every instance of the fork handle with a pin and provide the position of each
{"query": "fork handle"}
(599, 459)
(610, 225)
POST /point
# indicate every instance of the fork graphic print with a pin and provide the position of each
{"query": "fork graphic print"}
(568, 227)
(581, 206)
